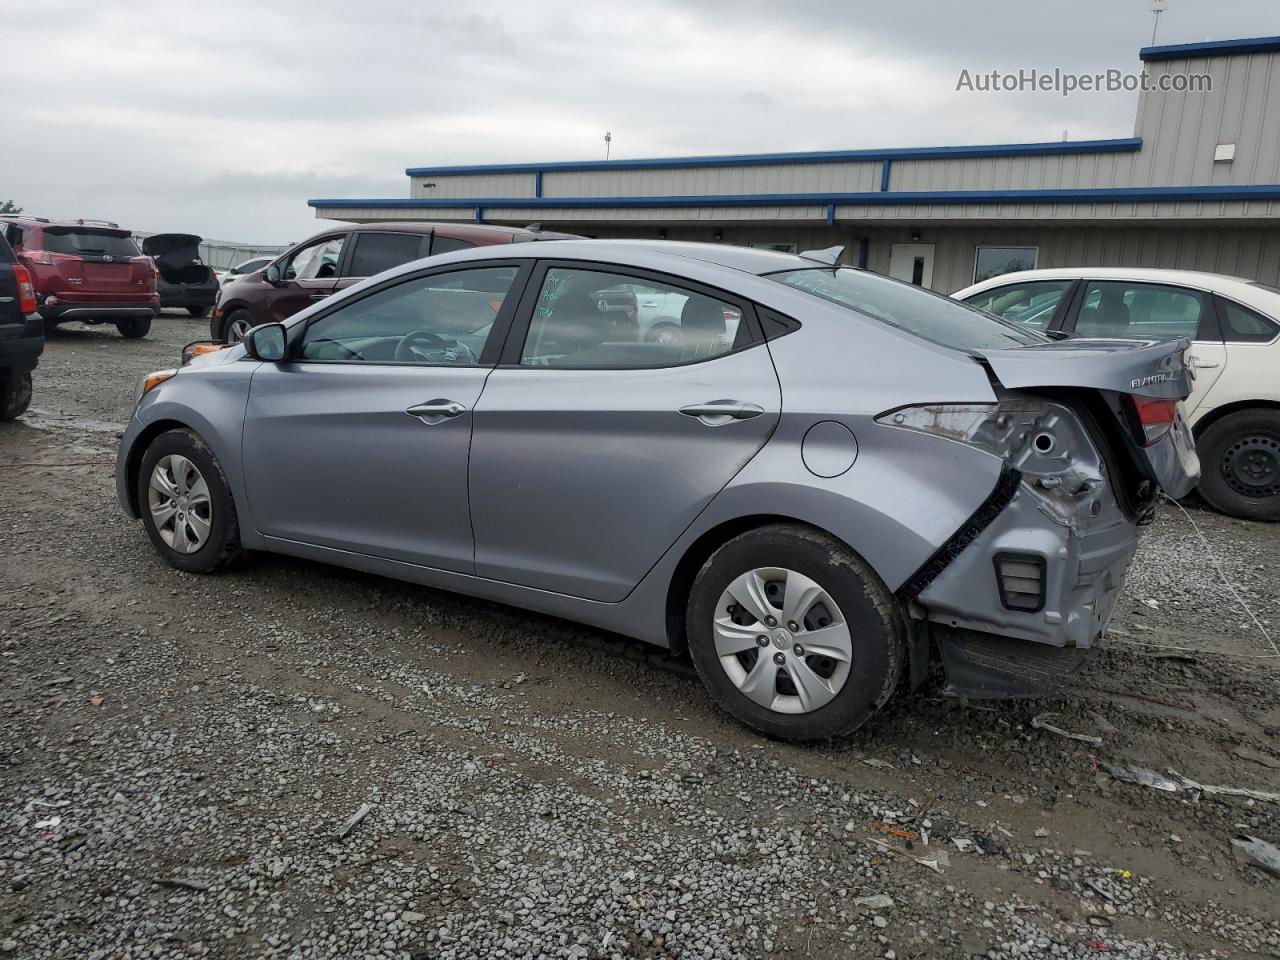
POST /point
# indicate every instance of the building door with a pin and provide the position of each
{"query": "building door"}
(912, 262)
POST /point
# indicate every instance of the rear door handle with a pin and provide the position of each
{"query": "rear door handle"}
(718, 412)
(1204, 364)
(319, 296)
(436, 411)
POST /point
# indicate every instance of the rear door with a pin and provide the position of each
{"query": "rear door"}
(1127, 309)
(308, 275)
(373, 251)
(592, 449)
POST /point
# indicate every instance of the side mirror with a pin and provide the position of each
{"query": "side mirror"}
(267, 342)
(272, 274)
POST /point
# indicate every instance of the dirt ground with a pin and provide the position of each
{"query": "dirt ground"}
(178, 755)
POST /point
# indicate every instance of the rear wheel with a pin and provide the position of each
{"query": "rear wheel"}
(198, 311)
(186, 504)
(1240, 463)
(237, 325)
(793, 634)
(15, 394)
(134, 328)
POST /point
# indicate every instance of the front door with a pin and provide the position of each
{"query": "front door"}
(595, 448)
(912, 262)
(359, 441)
(309, 274)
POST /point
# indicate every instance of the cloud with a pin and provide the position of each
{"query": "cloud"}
(224, 118)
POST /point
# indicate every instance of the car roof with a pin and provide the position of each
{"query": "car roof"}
(744, 259)
(1187, 278)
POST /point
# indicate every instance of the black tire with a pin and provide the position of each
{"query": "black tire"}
(15, 394)
(232, 319)
(135, 328)
(1240, 465)
(874, 619)
(223, 544)
(198, 311)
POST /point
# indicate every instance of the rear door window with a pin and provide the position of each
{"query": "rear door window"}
(1141, 311)
(1242, 325)
(375, 252)
(1032, 304)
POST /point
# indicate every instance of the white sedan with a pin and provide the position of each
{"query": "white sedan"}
(1234, 324)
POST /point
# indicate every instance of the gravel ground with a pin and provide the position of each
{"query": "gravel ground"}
(180, 755)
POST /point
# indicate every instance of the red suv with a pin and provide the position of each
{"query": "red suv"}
(338, 258)
(86, 270)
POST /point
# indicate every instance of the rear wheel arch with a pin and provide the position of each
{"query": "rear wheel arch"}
(698, 552)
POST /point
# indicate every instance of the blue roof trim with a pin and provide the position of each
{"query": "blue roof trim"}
(1215, 48)
(1269, 191)
(1125, 145)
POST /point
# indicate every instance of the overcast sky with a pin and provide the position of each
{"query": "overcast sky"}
(223, 119)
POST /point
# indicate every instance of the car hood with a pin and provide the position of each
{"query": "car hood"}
(172, 250)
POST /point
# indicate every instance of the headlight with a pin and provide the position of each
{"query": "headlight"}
(149, 382)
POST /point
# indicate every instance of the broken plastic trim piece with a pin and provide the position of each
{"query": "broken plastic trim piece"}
(999, 498)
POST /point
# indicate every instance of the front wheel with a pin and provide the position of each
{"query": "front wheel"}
(237, 326)
(15, 394)
(186, 504)
(793, 634)
(1240, 460)
(134, 328)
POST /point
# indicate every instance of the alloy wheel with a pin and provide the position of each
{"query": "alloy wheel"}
(782, 640)
(238, 329)
(181, 508)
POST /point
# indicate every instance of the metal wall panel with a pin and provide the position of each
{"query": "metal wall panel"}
(713, 181)
(472, 185)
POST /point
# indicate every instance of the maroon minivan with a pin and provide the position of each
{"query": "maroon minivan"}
(340, 257)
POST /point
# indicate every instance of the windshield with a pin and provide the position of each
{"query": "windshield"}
(921, 312)
(91, 242)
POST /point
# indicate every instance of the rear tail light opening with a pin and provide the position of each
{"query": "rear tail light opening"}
(1155, 416)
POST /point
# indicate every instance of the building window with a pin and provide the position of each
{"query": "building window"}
(994, 261)
(779, 247)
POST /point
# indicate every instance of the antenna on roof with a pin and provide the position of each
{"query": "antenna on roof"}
(830, 256)
(1157, 7)
(608, 139)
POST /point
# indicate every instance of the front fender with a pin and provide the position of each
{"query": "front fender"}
(209, 400)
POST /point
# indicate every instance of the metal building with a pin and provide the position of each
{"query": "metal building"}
(1196, 187)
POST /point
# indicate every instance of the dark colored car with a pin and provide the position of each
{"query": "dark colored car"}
(339, 258)
(184, 280)
(86, 270)
(21, 333)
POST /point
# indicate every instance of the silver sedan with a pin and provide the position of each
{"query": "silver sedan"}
(826, 479)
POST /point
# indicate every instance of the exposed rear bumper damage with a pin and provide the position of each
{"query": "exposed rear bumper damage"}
(992, 650)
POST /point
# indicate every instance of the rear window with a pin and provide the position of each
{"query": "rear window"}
(91, 243)
(923, 313)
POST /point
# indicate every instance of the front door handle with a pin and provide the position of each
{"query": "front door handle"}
(436, 411)
(719, 412)
(318, 296)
